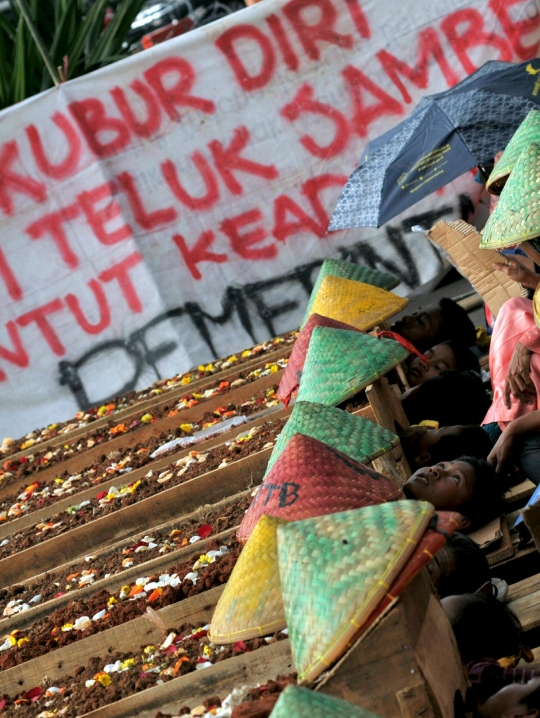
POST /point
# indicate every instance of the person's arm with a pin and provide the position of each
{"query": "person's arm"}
(503, 451)
(517, 271)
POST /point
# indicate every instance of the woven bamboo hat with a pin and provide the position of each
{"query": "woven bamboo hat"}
(334, 571)
(356, 437)
(443, 525)
(311, 479)
(516, 218)
(361, 305)
(340, 363)
(297, 702)
(536, 306)
(355, 272)
(251, 604)
(293, 371)
(527, 133)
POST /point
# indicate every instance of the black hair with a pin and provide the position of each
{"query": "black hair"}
(485, 628)
(472, 440)
(454, 397)
(470, 569)
(455, 324)
(485, 503)
(465, 359)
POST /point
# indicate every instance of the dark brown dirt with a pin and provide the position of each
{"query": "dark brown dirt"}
(60, 523)
(53, 585)
(156, 389)
(47, 634)
(30, 466)
(148, 667)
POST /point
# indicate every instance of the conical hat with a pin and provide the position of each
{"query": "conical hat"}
(334, 571)
(516, 218)
(340, 363)
(355, 436)
(361, 305)
(293, 371)
(297, 702)
(311, 479)
(355, 272)
(443, 525)
(251, 604)
(527, 133)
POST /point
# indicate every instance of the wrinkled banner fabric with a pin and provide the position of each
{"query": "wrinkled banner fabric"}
(173, 207)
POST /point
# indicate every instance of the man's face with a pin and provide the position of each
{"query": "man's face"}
(420, 443)
(448, 485)
(511, 702)
(420, 328)
(441, 358)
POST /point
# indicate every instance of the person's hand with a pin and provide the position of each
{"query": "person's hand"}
(518, 380)
(518, 272)
(500, 456)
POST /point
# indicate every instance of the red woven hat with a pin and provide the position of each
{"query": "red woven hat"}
(311, 479)
(291, 376)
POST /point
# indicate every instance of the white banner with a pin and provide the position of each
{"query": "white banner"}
(173, 207)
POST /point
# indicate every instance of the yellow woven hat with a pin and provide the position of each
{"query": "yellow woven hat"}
(296, 702)
(349, 270)
(527, 133)
(251, 604)
(361, 305)
(536, 306)
(516, 218)
(335, 570)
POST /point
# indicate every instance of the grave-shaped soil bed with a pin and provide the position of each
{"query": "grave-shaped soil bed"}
(158, 388)
(176, 418)
(247, 702)
(83, 618)
(112, 677)
(137, 445)
(139, 550)
(105, 503)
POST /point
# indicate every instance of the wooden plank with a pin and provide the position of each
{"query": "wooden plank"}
(503, 548)
(83, 459)
(524, 588)
(113, 583)
(412, 645)
(519, 492)
(527, 609)
(531, 519)
(162, 400)
(389, 413)
(176, 501)
(126, 637)
(248, 669)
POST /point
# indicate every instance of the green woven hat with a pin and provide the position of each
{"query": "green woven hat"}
(355, 436)
(251, 604)
(335, 570)
(348, 270)
(340, 363)
(527, 133)
(516, 218)
(297, 702)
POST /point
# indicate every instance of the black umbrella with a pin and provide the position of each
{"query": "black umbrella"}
(445, 136)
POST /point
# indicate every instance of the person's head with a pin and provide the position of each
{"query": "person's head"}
(483, 627)
(467, 485)
(517, 700)
(437, 323)
(448, 356)
(423, 445)
(460, 566)
(454, 397)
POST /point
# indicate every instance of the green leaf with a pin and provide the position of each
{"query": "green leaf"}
(92, 24)
(110, 42)
(19, 63)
